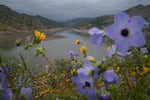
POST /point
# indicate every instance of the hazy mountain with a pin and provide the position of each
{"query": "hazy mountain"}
(72, 22)
(11, 20)
(107, 20)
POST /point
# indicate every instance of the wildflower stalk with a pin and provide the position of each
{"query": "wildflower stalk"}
(46, 58)
(127, 80)
(49, 62)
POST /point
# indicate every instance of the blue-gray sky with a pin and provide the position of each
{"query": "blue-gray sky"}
(69, 9)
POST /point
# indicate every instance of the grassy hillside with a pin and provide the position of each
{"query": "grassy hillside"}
(11, 20)
(106, 20)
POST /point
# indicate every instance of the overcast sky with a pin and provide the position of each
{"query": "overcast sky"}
(69, 9)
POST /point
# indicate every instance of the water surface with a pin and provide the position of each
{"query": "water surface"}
(55, 49)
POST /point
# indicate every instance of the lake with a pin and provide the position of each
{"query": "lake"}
(55, 49)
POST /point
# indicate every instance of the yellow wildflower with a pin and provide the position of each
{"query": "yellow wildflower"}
(67, 80)
(108, 48)
(133, 73)
(42, 83)
(92, 59)
(36, 97)
(15, 78)
(77, 42)
(75, 59)
(73, 72)
(118, 69)
(145, 70)
(19, 65)
(37, 33)
(42, 37)
(83, 49)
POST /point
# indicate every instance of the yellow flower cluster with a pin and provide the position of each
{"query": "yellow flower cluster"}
(83, 49)
(144, 71)
(43, 93)
(40, 35)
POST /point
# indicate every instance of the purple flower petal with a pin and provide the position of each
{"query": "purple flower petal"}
(85, 86)
(87, 63)
(27, 92)
(3, 81)
(110, 77)
(123, 45)
(94, 30)
(126, 32)
(136, 23)
(6, 95)
(138, 40)
(96, 39)
(121, 19)
(111, 32)
(9, 91)
(143, 50)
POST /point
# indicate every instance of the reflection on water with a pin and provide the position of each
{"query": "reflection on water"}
(55, 49)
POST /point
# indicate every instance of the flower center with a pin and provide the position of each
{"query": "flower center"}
(125, 32)
(87, 84)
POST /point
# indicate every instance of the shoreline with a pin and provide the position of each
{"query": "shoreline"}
(50, 33)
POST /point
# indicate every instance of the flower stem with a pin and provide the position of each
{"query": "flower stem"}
(127, 81)
(49, 62)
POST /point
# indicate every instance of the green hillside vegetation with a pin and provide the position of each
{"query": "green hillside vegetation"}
(11, 20)
(103, 21)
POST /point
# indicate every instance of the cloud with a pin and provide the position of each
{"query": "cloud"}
(69, 9)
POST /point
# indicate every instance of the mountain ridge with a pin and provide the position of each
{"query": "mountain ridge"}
(11, 20)
(103, 21)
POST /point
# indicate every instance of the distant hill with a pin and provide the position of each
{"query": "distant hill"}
(11, 20)
(72, 22)
(107, 20)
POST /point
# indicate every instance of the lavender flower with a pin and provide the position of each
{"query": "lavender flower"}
(5, 93)
(110, 77)
(85, 86)
(96, 36)
(73, 55)
(89, 70)
(126, 32)
(26, 93)
(143, 50)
